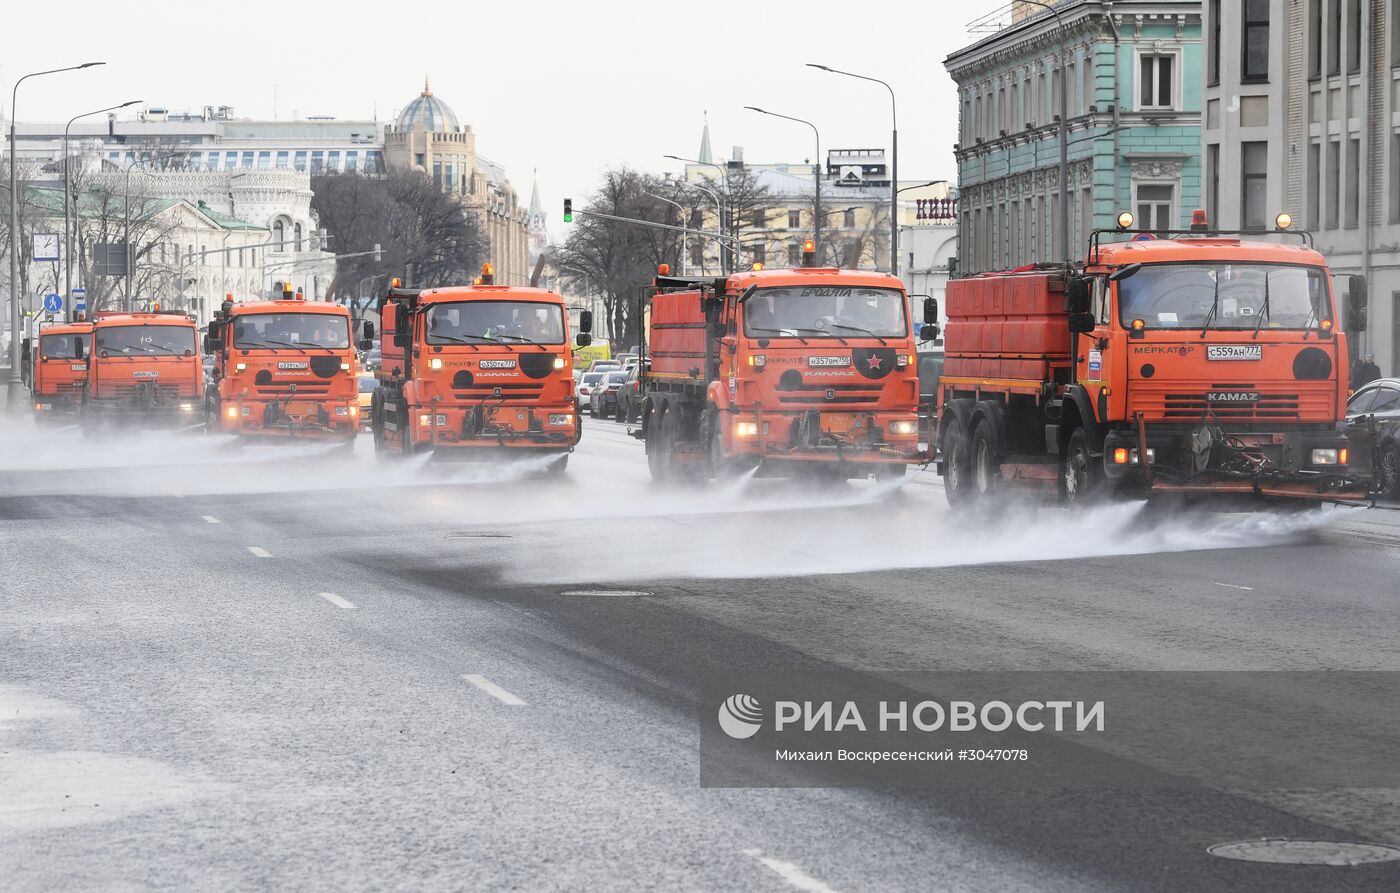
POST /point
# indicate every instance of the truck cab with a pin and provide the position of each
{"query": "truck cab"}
(788, 371)
(143, 368)
(283, 369)
(60, 369)
(476, 372)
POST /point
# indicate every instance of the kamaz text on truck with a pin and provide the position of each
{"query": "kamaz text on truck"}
(1186, 361)
(283, 369)
(60, 369)
(476, 372)
(798, 371)
(144, 368)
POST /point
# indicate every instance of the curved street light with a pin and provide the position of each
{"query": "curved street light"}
(68, 197)
(816, 174)
(12, 395)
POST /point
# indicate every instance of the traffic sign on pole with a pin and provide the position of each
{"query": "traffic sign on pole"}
(53, 302)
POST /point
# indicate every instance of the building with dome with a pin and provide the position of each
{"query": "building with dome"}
(427, 137)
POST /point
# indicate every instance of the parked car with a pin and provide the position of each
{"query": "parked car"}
(602, 401)
(373, 360)
(1373, 432)
(585, 388)
(367, 384)
(604, 365)
(629, 406)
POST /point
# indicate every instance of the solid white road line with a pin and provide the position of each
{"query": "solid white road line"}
(795, 876)
(493, 690)
(260, 551)
(1233, 586)
(337, 600)
(211, 519)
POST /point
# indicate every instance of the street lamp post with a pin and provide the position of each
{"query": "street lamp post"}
(680, 212)
(12, 397)
(68, 198)
(725, 265)
(816, 175)
(894, 162)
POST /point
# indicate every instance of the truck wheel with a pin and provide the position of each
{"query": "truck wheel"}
(957, 464)
(986, 470)
(1081, 483)
(1388, 471)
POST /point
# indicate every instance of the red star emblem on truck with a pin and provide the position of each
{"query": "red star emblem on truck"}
(874, 362)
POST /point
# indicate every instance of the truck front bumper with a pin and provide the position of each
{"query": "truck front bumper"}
(497, 428)
(856, 438)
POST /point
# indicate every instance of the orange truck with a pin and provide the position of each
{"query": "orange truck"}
(143, 368)
(60, 369)
(283, 369)
(480, 371)
(806, 371)
(1183, 361)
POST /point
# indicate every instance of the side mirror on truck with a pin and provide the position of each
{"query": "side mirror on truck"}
(585, 321)
(931, 311)
(365, 344)
(368, 333)
(583, 339)
(1082, 323)
(1077, 294)
(929, 332)
(1356, 303)
(401, 339)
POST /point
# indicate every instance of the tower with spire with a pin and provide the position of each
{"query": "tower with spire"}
(705, 155)
(535, 221)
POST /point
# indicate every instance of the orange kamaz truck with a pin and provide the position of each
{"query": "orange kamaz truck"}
(806, 371)
(283, 370)
(480, 371)
(144, 369)
(60, 369)
(1186, 361)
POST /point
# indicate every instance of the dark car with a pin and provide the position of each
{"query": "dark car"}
(1373, 432)
(930, 371)
(602, 402)
(629, 399)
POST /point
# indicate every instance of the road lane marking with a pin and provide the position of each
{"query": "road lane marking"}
(606, 593)
(337, 600)
(1233, 586)
(789, 872)
(493, 690)
(211, 519)
(260, 552)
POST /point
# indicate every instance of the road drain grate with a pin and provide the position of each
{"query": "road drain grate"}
(1282, 851)
(605, 593)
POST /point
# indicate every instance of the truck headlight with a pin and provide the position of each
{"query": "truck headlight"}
(745, 429)
(561, 418)
(559, 363)
(904, 426)
(231, 412)
(1329, 457)
(354, 409)
(425, 419)
(344, 367)
(435, 363)
(758, 360)
(239, 367)
(904, 359)
(1133, 457)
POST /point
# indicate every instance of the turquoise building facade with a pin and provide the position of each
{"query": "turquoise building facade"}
(1134, 77)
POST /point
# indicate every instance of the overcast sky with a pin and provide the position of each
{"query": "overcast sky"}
(568, 88)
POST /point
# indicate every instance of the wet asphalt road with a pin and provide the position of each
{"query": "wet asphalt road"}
(230, 668)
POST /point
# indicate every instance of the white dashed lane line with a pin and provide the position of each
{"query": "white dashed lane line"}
(1233, 586)
(493, 690)
(337, 600)
(789, 872)
(211, 519)
(260, 552)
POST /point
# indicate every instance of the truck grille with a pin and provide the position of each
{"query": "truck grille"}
(815, 395)
(304, 389)
(1234, 401)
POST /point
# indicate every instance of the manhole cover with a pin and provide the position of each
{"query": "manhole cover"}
(607, 593)
(1282, 851)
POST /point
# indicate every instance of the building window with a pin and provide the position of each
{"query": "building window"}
(794, 254)
(264, 160)
(760, 254)
(247, 162)
(1394, 17)
(1254, 180)
(317, 162)
(333, 161)
(1353, 182)
(1255, 62)
(1314, 39)
(1156, 87)
(238, 258)
(1334, 39)
(352, 161)
(1314, 185)
(282, 157)
(1154, 205)
(1213, 62)
(1213, 183)
(299, 160)
(794, 219)
(296, 236)
(279, 233)
(848, 218)
(1334, 183)
(760, 219)
(1353, 36)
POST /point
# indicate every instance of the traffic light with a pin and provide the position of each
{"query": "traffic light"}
(568, 210)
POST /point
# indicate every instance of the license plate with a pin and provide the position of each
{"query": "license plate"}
(1235, 352)
(498, 364)
(828, 362)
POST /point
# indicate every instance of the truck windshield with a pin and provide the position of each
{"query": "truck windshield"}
(139, 340)
(290, 331)
(59, 347)
(826, 311)
(472, 322)
(1224, 296)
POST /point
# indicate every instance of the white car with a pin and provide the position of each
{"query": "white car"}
(586, 383)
